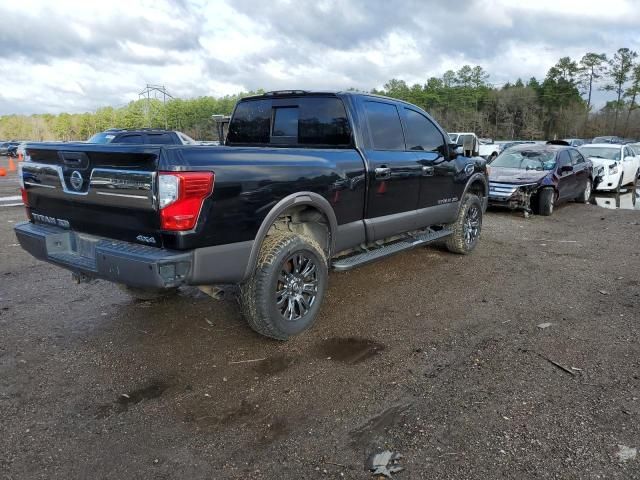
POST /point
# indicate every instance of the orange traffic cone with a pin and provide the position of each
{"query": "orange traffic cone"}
(12, 166)
(3, 172)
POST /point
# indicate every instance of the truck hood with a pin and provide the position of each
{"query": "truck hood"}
(515, 175)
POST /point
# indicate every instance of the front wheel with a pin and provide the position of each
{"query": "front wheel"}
(466, 229)
(546, 201)
(283, 296)
(586, 192)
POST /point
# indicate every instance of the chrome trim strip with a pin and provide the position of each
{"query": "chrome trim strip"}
(142, 197)
(143, 181)
(39, 185)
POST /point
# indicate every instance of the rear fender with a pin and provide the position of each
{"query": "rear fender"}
(295, 199)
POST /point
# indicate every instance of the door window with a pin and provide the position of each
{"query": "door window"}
(576, 157)
(422, 134)
(384, 124)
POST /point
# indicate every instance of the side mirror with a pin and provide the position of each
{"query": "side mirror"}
(453, 151)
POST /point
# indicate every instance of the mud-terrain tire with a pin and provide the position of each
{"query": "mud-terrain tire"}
(467, 227)
(146, 294)
(282, 266)
(585, 195)
(546, 201)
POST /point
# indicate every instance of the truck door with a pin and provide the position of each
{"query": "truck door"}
(394, 172)
(439, 193)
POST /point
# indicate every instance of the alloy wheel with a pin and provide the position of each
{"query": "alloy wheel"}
(297, 286)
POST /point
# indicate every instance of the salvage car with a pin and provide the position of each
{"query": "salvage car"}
(621, 166)
(534, 178)
(152, 136)
(306, 181)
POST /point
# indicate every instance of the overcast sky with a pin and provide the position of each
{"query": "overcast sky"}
(78, 55)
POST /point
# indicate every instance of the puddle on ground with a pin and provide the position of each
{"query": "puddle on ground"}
(273, 365)
(350, 350)
(376, 426)
(627, 199)
(153, 390)
(205, 415)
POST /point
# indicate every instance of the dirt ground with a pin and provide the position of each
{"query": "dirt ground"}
(435, 356)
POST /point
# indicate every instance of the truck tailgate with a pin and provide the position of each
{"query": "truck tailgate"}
(107, 191)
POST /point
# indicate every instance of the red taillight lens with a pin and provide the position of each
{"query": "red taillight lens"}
(180, 196)
(25, 198)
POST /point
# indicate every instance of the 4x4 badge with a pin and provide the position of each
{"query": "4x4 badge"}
(76, 180)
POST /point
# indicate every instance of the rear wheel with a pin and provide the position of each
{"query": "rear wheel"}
(586, 192)
(467, 227)
(283, 296)
(546, 201)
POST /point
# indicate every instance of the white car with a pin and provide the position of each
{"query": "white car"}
(621, 165)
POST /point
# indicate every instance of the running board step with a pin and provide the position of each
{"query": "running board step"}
(353, 261)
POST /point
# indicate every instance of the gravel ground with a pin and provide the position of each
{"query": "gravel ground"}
(436, 356)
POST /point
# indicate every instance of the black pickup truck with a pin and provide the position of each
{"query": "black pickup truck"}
(306, 181)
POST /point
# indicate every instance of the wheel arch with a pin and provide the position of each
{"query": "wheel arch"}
(291, 203)
(477, 184)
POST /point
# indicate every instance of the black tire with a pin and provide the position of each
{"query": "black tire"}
(546, 201)
(585, 195)
(276, 272)
(619, 187)
(146, 294)
(462, 240)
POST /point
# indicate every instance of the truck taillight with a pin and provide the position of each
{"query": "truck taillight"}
(180, 198)
(23, 191)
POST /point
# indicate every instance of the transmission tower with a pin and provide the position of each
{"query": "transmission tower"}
(156, 90)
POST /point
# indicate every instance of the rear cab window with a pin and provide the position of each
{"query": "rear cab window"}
(103, 137)
(134, 138)
(160, 139)
(291, 122)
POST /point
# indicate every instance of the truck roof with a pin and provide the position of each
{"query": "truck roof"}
(303, 93)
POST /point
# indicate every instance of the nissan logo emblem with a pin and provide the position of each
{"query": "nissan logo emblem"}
(76, 180)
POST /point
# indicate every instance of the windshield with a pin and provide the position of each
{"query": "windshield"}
(526, 160)
(103, 137)
(608, 153)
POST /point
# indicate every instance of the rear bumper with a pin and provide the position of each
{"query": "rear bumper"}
(133, 264)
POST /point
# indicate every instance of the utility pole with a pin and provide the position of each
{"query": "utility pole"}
(156, 89)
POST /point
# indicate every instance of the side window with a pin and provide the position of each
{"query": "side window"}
(564, 159)
(323, 121)
(422, 134)
(627, 152)
(384, 124)
(576, 157)
(160, 139)
(135, 138)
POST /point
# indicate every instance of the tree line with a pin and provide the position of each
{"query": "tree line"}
(560, 105)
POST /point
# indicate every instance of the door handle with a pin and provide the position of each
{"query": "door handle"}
(428, 171)
(383, 173)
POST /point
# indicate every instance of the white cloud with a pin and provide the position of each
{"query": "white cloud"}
(76, 55)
